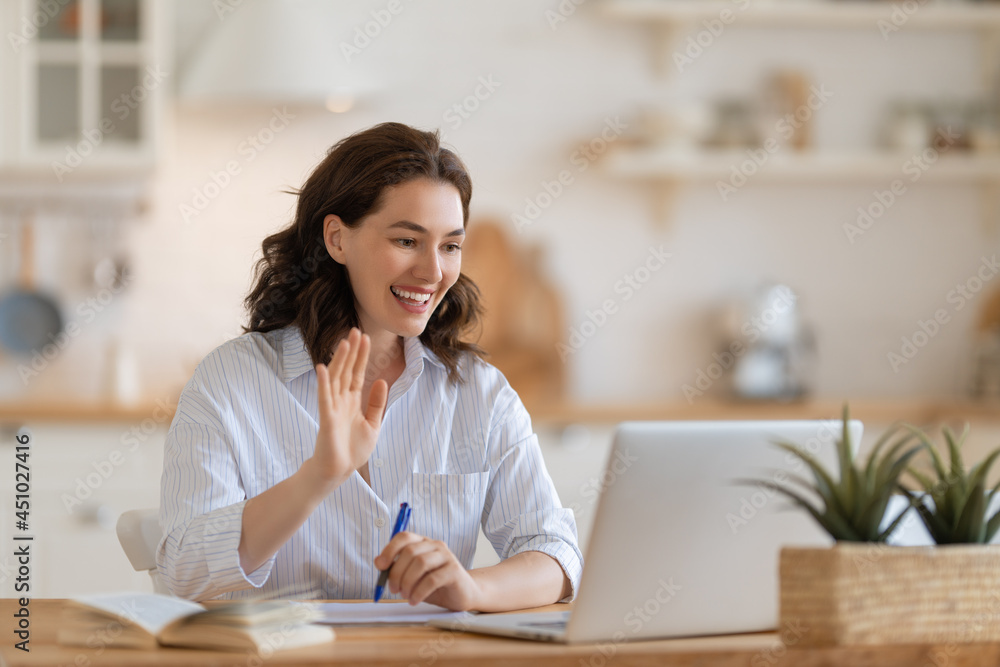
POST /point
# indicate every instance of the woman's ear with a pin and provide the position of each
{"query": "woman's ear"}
(332, 228)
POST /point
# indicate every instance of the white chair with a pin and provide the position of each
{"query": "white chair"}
(139, 534)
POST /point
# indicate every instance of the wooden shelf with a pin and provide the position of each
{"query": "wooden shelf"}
(805, 167)
(817, 14)
(670, 169)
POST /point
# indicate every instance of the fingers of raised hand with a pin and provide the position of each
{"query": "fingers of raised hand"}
(360, 362)
(323, 385)
(336, 365)
(342, 365)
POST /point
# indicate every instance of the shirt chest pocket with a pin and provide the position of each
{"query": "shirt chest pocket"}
(448, 508)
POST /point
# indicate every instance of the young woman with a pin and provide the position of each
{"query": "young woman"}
(294, 444)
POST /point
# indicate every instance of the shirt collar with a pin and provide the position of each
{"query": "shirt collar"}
(295, 358)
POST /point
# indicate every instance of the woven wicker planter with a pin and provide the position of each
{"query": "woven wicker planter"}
(878, 594)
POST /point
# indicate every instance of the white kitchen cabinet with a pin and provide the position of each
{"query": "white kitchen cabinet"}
(79, 487)
(89, 78)
(8, 134)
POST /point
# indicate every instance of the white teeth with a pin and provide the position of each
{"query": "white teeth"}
(414, 296)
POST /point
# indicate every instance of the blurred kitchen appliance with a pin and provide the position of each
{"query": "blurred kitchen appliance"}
(776, 356)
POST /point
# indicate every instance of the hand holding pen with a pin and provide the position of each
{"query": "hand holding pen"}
(426, 570)
(402, 521)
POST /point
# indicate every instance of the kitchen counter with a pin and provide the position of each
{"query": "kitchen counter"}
(66, 410)
(917, 411)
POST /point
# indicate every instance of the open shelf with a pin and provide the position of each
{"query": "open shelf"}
(805, 167)
(809, 13)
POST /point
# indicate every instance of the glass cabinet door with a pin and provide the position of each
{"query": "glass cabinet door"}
(122, 98)
(63, 24)
(58, 102)
(120, 20)
(88, 93)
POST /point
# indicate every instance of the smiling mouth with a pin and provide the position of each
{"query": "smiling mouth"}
(412, 298)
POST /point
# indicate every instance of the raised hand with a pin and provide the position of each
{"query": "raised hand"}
(347, 435)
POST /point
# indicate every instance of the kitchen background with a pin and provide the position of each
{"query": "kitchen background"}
(684, 210)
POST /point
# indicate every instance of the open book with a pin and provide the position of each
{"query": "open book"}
(145, 620)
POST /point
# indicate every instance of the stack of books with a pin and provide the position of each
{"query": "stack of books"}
(137, 620)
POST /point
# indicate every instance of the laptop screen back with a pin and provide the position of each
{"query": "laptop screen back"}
(680, 546)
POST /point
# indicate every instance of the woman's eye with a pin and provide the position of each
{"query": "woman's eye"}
(406, 243)
(453, 248)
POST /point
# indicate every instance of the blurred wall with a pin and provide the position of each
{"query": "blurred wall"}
(550, 89)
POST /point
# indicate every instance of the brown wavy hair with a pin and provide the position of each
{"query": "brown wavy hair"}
(298, 282)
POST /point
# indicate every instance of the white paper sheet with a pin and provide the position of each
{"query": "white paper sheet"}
(380, 613)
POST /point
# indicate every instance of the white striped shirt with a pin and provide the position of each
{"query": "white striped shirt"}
(463, 455)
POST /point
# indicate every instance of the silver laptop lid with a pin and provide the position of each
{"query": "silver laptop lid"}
(679, 547)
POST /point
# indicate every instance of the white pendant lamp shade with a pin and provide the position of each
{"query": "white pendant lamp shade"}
(273, 51)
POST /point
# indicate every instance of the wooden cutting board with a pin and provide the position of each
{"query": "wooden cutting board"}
(524, 312)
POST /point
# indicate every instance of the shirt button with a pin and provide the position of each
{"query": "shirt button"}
(378, 463)
(380, 522)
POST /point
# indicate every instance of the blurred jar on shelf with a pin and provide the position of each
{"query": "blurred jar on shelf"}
(681, 127)
(909, 127)
(956, 125)
(984, 128)
(953, 121)
(787, 109)
(734, 125)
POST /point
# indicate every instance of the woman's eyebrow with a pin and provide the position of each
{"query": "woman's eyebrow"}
(414, 227)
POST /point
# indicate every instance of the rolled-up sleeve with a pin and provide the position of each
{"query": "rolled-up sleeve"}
(522, 511)
(201, 509)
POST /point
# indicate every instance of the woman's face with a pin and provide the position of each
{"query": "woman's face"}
(403, 258)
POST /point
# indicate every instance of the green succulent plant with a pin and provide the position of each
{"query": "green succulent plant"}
(955, 501)
(852, 508)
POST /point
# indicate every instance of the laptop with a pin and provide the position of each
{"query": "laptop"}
(680, 546)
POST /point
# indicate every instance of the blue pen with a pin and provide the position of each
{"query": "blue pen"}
(402, 521)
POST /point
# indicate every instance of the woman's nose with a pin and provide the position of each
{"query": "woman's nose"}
(429, 267)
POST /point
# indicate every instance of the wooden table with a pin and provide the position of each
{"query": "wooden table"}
(423, 647)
